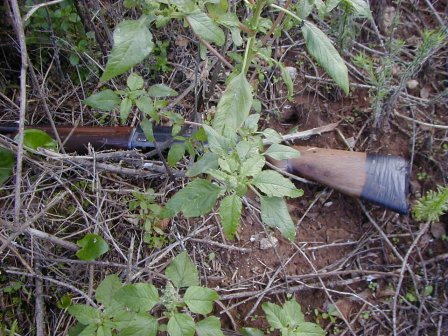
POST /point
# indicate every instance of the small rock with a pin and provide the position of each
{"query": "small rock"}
(424, 92)
(438, 230)
(292, 72)
(268, 243)
(328, 204)
(412, 84)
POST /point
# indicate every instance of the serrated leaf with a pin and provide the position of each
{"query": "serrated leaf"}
(274, 213)
(208, 161)
(272, 135)
(161, 90)
(105, 100)
(200, 299)
(275, 316)
(282, 152)
(246, 149)
(146, 105)
(274, 184)
(7, 162)
(251, 122)
(210, 326)
(293, 312)
(132, 44)
(206, 28)
(139, 297)
(141, 325)
(360, 8)
(175, 154)
(34, 139)
(234, 106)
(181, 325)
(309, 329)
(252, 166)
(304, 8)
(286, 76)
(147, 129)
(125, 109)
(196, 199)
(134, 82)
(230, 213)
(326, 55)
(107, 288)
(216, 142)
(92, 246)
(85, 314)
(251, 332)
(182, 272)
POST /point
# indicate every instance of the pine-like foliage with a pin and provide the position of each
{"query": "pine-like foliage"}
(431, 206)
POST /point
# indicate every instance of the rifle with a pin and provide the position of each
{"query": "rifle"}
(381, 179)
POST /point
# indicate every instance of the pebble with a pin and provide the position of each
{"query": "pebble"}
(268, 243)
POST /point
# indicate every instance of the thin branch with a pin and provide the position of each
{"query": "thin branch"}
(23, 102)
(36, 7)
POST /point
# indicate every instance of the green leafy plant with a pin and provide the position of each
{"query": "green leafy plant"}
(91, 246)
(288, 319)
(126, 309)
(6, 164)
(149, 215)
(431, 206)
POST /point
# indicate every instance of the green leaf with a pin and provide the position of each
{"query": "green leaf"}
(251, 332)
(253, 165)
(85, 314)
(360, 8)
(139, 297)
(34, 138)
(92, 246)
(161, 90)
(146, 105)
(204, 27)
(234, 106)
(304, 8)
(230, 213)
(6, 164)
(309, 329)
(132, 43)
(105, 100)
(141, 325)
(104, 330)
(321, 48)
(134, 82)
(282, 152)
(274, 213)
(146, 126)
(216, 142)
(125, 109)
(182, 272)
(176, 153)
(275, 316)
(181, 325)
(200, 299)
(208, 161)
(186, 6)
(286, 76)
(272, 135)
(251, 122)
(107, 288)
(196, 199)
(274, 184)
(293, 312)
(210, 326)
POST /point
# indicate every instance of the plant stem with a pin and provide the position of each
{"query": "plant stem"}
(286, 11)
(248, 54)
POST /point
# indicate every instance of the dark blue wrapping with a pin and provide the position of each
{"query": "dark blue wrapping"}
(387, 182)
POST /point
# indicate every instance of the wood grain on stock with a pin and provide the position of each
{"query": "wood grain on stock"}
(342, 170)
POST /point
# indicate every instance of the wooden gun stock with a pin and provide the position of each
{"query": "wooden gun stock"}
(380, 179)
